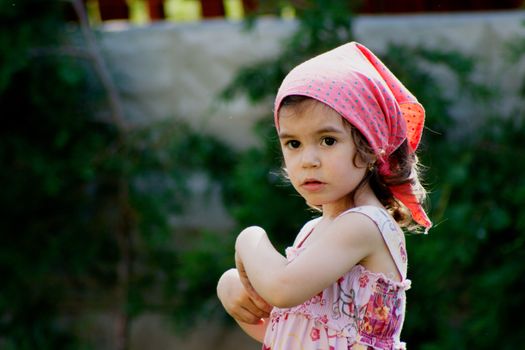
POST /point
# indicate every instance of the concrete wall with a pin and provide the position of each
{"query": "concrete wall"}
(170, 70)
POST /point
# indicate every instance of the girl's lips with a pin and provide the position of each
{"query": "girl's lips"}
(312, 185)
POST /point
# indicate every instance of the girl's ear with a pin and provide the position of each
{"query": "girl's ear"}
(362, 160)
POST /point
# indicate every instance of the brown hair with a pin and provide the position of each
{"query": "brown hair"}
(404, 168)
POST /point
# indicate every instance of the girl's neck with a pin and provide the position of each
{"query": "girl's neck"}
(365, 196)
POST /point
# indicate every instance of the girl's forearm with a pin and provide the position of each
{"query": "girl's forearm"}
(265, 267)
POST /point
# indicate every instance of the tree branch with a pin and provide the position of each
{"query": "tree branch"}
(115, 104)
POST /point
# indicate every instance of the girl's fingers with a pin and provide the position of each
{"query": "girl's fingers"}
(247, 305)
(244, 306)
(259, 302)
(244, 315)
(251, 307)
(262, 304)
(257, 299)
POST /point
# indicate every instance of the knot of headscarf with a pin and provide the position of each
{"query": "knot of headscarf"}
(356, 84)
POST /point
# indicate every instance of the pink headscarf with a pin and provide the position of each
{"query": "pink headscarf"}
(356, 84)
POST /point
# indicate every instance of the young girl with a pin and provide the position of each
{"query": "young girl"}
(348, 131)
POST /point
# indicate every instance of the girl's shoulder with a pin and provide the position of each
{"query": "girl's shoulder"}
(390, 233)
(367, 219)
(380, 217)
(362, 224)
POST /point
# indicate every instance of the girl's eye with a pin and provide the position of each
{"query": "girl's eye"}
(293, 144)
(329, 141)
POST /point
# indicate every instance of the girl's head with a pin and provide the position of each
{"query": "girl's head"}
(383, 122)
(319, 153)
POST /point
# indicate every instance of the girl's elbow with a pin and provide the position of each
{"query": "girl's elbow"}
(283, 295)
(247, 234)
(283, 301)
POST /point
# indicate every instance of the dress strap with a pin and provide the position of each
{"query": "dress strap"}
(306, 231)
(391, 233)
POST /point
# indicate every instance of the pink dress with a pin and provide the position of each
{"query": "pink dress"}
(361, 310)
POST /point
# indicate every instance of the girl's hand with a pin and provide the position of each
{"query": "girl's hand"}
(243, 306)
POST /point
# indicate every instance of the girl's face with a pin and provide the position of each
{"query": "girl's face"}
(319, 155)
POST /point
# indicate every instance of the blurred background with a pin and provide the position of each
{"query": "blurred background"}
(137, 141)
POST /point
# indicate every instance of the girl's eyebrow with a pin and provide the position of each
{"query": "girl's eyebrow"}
(324, 130)
(330, 130)
(283, 135)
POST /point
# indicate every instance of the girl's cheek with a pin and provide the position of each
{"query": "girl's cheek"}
(288, 162)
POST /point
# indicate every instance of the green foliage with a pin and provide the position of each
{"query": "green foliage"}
(260, 195)
(467, 271)
(176, 272)
(20, 21)
(86, 207)
(49, 162)
(201, 264)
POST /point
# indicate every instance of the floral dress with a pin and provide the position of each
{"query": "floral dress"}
(361, 310)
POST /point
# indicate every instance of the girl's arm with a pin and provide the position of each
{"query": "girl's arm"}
(347, 241)
(248, 309)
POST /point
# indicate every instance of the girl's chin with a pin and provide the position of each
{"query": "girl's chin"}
(316, 200)
(317, 204)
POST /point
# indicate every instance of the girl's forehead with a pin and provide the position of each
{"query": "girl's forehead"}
(309, 114)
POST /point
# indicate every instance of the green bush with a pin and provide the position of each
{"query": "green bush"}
(86, 205)
(466, 270)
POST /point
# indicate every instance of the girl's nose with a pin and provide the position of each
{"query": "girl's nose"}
(310, 158)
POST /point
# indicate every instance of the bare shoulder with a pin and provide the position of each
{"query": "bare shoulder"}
(357, 228)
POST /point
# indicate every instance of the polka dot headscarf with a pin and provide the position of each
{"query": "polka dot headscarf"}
(355, 83)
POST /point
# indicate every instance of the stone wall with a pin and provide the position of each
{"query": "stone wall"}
(168, 70)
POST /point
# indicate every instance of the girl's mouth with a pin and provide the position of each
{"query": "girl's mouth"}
(312, 185)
